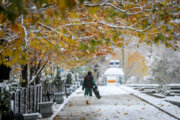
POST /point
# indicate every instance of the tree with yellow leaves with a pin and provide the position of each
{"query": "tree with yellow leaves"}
(72, 32)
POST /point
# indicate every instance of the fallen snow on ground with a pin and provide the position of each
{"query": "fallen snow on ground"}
(104, 90)
(142, 85)
(173, 98)
(116, 103)
(111, 90)
(174, 84)
(58, 107)
(159, 103)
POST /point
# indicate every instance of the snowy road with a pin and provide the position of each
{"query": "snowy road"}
(116, 104)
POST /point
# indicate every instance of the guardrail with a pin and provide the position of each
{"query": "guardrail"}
(173, 89)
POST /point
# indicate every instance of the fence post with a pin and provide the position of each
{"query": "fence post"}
(25, 100)
(31, 99)
(15, 103)
(40, 91)
(22, 100)
(37, 92)
(36, 97)
(19, 92)
(29, 96)
(14, 93)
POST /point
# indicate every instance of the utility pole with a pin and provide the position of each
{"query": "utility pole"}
(123, 79)
(123, 57)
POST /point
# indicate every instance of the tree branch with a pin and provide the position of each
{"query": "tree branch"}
(39, 71)
(25, 32)
(113, 6)
(73, 24)
(109, 25)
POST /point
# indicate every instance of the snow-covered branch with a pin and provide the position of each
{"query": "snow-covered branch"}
(73, 24)
(105, 4)
(39, 71)
(137, 22)
(45, 26)
(34, 31)
(115, 7)
(10, 38)
(109, 25)
(76, 24)
(25, 31)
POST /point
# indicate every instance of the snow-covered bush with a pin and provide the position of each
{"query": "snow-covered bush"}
(5, 98)
(69, 78)
(45, 85)
(165, 71)
(163, 62)
(162, 89)
(58, 81)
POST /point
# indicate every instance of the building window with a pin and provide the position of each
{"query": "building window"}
(111, 63)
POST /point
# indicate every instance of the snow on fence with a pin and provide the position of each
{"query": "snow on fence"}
(29, 101)
(26, 100)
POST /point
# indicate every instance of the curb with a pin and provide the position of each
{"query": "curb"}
(62, 106)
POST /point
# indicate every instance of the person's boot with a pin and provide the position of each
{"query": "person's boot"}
(87, 102)
(90, 99)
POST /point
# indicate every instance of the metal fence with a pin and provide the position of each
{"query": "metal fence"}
(26, 100)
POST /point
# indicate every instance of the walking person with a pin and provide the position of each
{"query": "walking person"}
(88, 84)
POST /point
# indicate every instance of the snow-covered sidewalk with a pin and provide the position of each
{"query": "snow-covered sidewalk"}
(159, 103)
(117, 103)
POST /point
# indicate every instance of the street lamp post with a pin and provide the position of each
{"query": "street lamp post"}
(123, 54)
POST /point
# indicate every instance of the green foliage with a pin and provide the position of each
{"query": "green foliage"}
(58, 82)
(83, 46)
(23, 83)
(113, 13)
(5, 98)
(69, 79)
(158, 37)
(15, 9)
(45, 85)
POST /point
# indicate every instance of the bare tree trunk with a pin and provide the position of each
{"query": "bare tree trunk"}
(24, 80)
(4, 72)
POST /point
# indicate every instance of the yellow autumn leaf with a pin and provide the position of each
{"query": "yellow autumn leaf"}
(53, 42)
(115, 3)
(1, 33)
(164, 2)
(143, 37)
(161, 105)
(125, 113)
(61, 4)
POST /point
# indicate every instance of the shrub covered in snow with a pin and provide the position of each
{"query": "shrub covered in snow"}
(58, 81)
(5, 98)
(69, 79)
(45, 85)
(162, 89)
